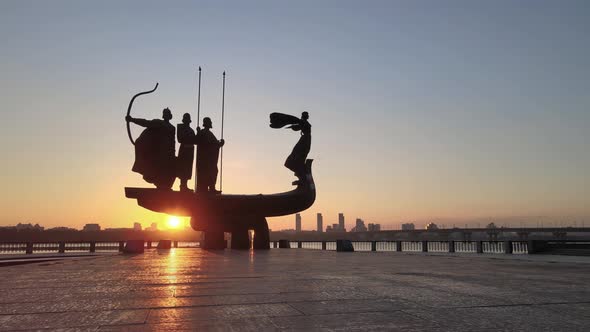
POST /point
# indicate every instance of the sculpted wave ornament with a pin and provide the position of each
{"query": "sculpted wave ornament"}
(215, 214)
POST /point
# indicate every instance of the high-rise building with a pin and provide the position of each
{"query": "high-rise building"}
(136, 226)
(408, 227)
(431, 226)
(320, 223)
(341, 222)
(374, 227)
(360, 226)
(298, 222)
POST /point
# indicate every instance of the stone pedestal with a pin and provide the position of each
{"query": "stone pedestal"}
(164, 244)
(213, 241)
(261, 234)
(240, 239)
(344, 245)
(134, 247)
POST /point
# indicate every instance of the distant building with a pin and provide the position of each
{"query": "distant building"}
(30, 227)
(62, 229)
(290, 230)
(91, 228)
(153, 227)
(408, 227)
(118, 229)
(136, 226)
(298, 222)
(359, 226)
(333, 228)
(320, 221)
(374, 227)
(341, 225)
(431, 227)
(491, 225)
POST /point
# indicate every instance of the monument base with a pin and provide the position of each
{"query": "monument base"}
(213, 240)
(164, 244)
(344, 245)
(134, 247)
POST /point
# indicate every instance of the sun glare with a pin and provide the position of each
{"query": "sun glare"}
(173, 222)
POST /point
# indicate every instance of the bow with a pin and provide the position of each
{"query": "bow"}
(129, 110)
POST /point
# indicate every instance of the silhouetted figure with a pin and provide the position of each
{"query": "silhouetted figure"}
(186, 153)
(207, 155)
(296, 160)
(155, 150)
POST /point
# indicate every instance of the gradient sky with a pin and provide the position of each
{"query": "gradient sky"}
(421, 110)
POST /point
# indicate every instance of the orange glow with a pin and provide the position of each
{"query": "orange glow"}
(173, 222)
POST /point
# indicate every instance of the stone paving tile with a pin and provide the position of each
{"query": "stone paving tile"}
(376, 320)
(252, 324)
(93, 304)
(193, 289)
(351, 306)
(73, 329)
(220, 312)
(530, 317)
(67, 320)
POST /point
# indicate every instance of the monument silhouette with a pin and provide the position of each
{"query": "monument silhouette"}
(186, 152)
(209, 210)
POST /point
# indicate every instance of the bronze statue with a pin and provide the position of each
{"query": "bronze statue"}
(155, 150)
(207, 155)
(296, 160)
(186, 153)
(215, 215)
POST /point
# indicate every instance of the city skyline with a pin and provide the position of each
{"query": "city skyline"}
(421, 111)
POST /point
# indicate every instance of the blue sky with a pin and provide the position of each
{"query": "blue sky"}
(421, 110)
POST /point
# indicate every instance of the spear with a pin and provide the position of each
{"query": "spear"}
(198, 119)
(199, 98)
(222, 118)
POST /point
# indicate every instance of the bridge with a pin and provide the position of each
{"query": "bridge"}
(467, 234)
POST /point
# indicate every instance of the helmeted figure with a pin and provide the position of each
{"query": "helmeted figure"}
(207, 155)
(155, 150)
(186, 153)
(296, 160)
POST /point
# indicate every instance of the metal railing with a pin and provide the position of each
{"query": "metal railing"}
(480, 247)
(21, 248)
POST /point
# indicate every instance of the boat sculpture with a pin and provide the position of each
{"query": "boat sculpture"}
(215, 214)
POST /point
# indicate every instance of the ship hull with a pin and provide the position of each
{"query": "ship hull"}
(227, 213)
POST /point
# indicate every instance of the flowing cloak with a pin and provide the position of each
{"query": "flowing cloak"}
(155, 153)
(186, 153)
(279, 120)
(207, 156)
(296, 160)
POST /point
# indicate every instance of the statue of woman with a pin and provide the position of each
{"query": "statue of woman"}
(296, 160)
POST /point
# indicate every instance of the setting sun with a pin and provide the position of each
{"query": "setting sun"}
(173, 222)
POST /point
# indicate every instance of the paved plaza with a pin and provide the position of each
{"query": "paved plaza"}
(297, 289)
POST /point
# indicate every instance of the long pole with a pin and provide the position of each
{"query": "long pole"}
(198, 119)
(222, 120)
(199, 99)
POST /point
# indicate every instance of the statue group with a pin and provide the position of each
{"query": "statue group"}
(155, 155)
(209, 211)
(155, 150)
